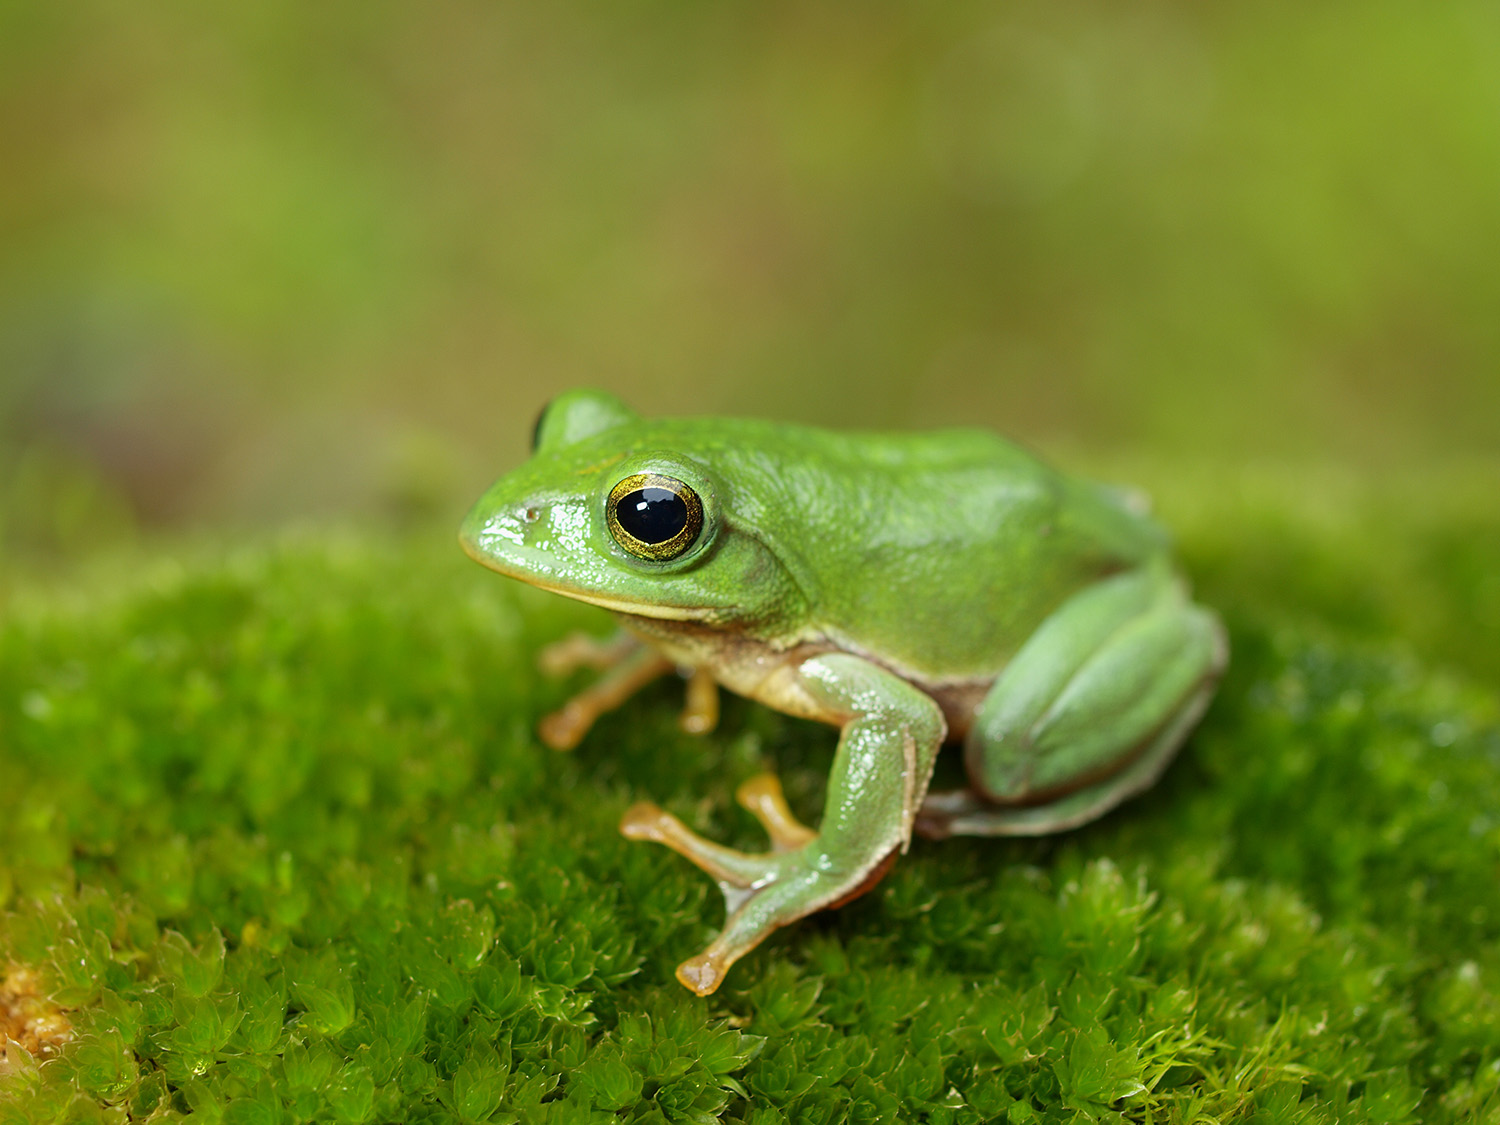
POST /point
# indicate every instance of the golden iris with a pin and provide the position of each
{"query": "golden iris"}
(654, 517)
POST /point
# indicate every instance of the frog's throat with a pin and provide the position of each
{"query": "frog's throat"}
(617, 604)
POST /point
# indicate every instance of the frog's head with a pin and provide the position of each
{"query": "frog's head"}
(631, 516)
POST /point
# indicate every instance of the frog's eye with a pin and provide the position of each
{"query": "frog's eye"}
(575, 415)
(536, 429)
(654, 517)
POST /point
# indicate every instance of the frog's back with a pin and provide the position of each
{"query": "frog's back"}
(942, 551)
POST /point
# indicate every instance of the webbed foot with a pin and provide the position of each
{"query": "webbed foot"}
(627, 666)
(889, 734)
(761, 892)
(565, 728)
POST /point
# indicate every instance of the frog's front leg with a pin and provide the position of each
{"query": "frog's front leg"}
(700, 713)
(628, 665)
(584, 650)
(889, 740)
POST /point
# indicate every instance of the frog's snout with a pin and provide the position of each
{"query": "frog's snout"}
(484, 534)
(529, 537)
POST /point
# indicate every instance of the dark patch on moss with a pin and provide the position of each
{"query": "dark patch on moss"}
(30, 1019)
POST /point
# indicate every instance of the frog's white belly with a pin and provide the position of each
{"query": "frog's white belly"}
(768, 673)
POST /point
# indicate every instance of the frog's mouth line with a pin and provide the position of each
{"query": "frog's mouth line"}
(539, 560)
(619, 605)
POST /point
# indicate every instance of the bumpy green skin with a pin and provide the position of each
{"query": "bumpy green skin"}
(941, 552)
(907, 588)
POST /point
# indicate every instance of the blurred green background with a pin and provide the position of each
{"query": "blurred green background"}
(278, 260)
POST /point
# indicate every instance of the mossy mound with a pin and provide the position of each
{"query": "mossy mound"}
(279, 844)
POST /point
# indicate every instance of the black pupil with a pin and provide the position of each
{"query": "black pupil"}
(652, 515)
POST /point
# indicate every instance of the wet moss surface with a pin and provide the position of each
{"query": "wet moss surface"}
(278, 844)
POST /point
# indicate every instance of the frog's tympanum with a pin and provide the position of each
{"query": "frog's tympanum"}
(909, 589)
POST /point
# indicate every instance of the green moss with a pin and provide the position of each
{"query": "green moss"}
(276, 831)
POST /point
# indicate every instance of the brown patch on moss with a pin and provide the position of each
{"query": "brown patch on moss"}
(28, 1017)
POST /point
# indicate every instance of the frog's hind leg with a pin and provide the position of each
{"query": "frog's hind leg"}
(962, 812)
(1088, 713)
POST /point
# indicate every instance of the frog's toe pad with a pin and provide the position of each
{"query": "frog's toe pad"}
(646, 821)
(702, 974)
(564, 729)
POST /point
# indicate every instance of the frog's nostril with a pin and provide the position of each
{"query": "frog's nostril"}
(530, 515)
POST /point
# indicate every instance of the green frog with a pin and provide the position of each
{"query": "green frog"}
(908, 589)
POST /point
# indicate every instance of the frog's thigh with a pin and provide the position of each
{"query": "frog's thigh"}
(1094, 690)
(963, 813)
